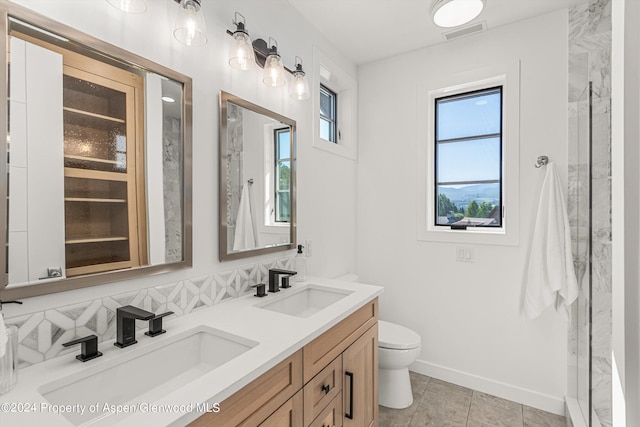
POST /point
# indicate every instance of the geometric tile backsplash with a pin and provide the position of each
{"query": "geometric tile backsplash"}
(41, 334)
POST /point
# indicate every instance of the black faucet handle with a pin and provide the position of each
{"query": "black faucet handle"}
(88, 347)
(155, 325)
(286, 284)
(260, 290)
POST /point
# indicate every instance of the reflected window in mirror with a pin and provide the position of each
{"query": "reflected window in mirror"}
(282, 173)
(97, 144)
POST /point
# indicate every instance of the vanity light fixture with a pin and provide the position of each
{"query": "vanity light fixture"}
(242, 57)
(129, 6)
(190, 28)
(300, 84)
(273, 74)
(245, 53)
(452, 13)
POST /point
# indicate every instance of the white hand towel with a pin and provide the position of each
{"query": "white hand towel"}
(244, 237)
(4, 338)
(551, 277)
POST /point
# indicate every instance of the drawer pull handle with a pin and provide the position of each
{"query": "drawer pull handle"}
(350, 414)
(326, 388)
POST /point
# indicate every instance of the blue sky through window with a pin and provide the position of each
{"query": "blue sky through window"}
(469, 157)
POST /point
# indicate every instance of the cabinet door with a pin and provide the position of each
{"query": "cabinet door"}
(360, 381)
(288, 415)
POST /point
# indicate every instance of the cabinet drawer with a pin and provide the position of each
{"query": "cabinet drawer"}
(288, 415)
(322, 389)
(331, 416)
(321, 351)
(257, 401)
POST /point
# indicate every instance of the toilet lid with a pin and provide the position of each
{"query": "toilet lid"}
(396, 337)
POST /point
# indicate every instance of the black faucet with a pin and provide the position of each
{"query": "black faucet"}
(126, 324)
(274, 277)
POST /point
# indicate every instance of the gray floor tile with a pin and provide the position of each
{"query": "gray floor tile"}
(495, 411)
(536, 418)
(438, 403)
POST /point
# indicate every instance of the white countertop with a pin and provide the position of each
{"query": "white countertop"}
(278, 336)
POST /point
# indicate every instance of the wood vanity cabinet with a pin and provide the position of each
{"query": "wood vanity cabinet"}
(330, 382)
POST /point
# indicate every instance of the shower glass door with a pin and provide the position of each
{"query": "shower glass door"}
(583, 254)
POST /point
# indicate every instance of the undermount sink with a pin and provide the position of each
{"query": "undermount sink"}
(146, 375)
(304, 301)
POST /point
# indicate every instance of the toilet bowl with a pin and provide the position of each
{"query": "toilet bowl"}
(398, 347)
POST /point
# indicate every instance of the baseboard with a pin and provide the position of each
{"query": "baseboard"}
(523, 396)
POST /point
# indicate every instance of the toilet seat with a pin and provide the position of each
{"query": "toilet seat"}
(396, 337)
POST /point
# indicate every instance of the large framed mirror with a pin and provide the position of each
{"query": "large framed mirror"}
(98, 171)
(257, 180)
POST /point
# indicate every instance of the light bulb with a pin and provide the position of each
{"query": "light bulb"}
(242, 55)
(190, 28)
(299, 86)
(273, 71)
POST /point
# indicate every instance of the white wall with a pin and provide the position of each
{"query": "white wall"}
(326, 183)
(466, 313)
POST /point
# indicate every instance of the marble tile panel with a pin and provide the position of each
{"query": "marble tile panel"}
(495, 411)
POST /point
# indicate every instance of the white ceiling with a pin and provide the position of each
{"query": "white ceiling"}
(367, 30)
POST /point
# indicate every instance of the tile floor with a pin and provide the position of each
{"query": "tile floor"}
(440, 404)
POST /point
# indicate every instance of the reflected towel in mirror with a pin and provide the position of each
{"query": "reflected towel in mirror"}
(550, 277)
(246, 236)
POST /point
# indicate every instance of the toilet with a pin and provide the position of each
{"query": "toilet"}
(398, 347)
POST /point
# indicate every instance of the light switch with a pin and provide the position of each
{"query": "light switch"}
(464, 254)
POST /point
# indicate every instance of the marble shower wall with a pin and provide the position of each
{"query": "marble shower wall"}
(590, 60)
(41, 334)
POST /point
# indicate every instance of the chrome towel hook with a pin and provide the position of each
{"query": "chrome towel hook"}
(542, 161)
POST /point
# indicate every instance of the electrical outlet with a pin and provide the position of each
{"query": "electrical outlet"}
(465, 254)
(308, 248)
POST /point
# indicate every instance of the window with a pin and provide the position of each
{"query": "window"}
(282, 139)
(468, 159)
(328, 114)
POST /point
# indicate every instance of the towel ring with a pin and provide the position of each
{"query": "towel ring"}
(542, 161)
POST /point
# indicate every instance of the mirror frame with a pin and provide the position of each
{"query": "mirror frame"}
(224, 254)
(8, 9)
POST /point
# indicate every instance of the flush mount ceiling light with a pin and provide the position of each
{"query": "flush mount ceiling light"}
(241, 57)
(452, 13)
(129, 6)
(190, 28)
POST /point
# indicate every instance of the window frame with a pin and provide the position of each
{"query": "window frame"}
(329, 73)
(506, 74)
(437, 142)
(276, 175)
(334, 132)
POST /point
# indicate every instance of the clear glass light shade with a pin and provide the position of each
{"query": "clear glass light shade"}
(273, 71)
(452, 13)
(190, 28)
(129, 6)
(299, 86)
(242, 57)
